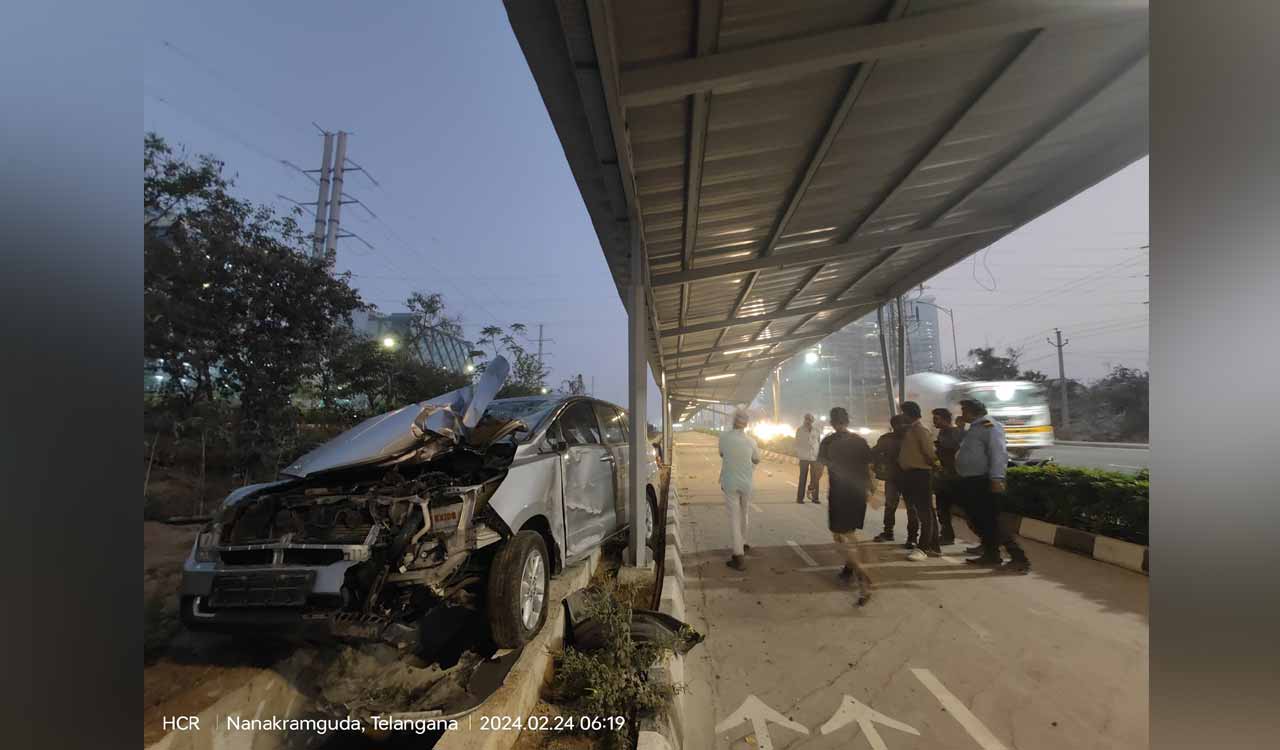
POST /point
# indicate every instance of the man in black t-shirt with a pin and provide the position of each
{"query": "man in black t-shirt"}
(848, 459)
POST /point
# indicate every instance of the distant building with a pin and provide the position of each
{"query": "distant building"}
(849, 371)
(924, 353)
(441, 349)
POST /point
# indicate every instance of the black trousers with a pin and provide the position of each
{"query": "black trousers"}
(983, 508)
(944, 492)
(810, 477)
(892, 494)
(918, 494)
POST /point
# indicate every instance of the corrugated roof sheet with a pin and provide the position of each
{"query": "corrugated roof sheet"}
(761, 129)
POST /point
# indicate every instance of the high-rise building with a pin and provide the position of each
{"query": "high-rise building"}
(924, 353)
(846, 369)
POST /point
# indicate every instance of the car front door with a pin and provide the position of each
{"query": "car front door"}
(589, 514)
(613, 427)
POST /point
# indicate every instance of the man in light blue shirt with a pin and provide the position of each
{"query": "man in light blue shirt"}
(981, 463)
(738, 458)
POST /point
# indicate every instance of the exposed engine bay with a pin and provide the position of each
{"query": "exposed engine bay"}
(372, 549)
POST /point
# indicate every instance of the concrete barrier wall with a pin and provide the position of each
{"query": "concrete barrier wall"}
(273, 693)
(667, 732)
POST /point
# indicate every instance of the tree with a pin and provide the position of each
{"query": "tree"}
(1035, 376)
(427, 319)
(233, 306)
(990, 366)
(527, 376)
(1121, 400)
(490, 335)
(574, 386)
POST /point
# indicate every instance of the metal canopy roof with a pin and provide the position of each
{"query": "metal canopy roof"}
(787, 166)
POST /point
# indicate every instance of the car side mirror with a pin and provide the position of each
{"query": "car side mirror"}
(557, 445)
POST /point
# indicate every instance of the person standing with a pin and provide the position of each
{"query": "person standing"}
(981, 462)
(738, 458)
(916, 458)
(807, 438)
(848, 459)
(888, 471)
(945, 478)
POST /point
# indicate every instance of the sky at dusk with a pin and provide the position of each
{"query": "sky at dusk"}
(475, 199)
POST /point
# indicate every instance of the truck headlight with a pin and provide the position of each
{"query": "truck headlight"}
(205, 550)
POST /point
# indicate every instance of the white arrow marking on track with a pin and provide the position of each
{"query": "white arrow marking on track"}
(851, 710)
(758, 713)
(808, 559)
(976, 729)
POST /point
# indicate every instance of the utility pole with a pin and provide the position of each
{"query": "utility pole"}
(884, 359)
(1062, 380)
(335, 197)
(542, 340)
(777, 393)
(322, 200)
(902, 353)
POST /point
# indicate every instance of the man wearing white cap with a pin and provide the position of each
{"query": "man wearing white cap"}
(738, 458)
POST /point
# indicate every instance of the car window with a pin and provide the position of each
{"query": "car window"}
(611, 422)
(578, 423)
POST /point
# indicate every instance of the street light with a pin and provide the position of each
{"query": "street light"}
(470, 368)
(388, 343)
(811, 357)
(545, 390)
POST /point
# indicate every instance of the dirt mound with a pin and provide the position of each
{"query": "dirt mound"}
(378, 680)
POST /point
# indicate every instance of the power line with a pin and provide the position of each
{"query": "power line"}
(213, 73)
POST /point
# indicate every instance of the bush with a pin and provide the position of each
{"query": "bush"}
(1100, 502)
(614, 680)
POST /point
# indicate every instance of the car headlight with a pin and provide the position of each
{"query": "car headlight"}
(206, 544)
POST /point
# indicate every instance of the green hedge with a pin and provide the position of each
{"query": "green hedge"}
(1100, 502)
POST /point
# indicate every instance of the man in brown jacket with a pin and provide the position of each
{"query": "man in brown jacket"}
(916, 458)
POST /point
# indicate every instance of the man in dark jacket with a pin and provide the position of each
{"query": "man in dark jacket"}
(946, 479)
(848, 460)
(888, 471)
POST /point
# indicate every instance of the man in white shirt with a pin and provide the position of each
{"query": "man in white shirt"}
(807, 439)
(738, 458)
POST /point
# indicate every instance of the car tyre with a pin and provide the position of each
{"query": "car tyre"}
(651, 522)
(518, 588)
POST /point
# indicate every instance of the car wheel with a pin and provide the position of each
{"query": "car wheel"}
(519, 580)
(651, 521)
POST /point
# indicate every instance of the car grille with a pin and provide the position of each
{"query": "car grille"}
(262, 589)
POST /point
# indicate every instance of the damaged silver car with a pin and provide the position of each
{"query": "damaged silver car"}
(460, 502)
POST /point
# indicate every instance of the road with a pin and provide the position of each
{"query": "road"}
(943, 656)
(1128, 460)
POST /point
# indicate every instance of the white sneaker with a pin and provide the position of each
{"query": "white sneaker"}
(917, 555)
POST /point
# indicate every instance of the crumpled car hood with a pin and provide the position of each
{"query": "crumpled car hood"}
(446, 418)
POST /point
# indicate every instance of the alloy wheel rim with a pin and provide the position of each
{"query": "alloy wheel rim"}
(533, 590)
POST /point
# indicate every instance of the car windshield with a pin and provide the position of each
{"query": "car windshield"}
(531, 411)
(1004, 395)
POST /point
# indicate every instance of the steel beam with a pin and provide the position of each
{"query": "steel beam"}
(918, 36)
(753, 364)
(716, 325)
(708, 30)
(731, 347)
(818, 255)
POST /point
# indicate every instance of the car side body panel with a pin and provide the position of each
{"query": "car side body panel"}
(533, 487)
